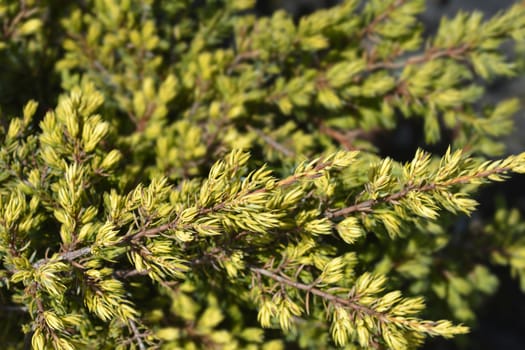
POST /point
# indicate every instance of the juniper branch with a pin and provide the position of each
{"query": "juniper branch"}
(408, 323)
(316, 291)
(429, 55)
(368, 205)
(381, 17)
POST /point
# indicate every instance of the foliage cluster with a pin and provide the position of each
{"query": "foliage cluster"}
(211, 179)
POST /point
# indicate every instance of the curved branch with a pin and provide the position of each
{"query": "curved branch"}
(316, 291)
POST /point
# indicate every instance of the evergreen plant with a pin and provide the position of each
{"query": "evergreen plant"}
(189, 175)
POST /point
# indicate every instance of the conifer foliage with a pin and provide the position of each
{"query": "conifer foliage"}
(199, 177)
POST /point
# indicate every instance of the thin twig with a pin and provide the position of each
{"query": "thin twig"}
(367, 205)
(67, 256)
(279, 147)
(344, 138)
(429, 55)
(241, 57)
(136, 335)
(320, 293)
(9, 29)
(130, 273)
